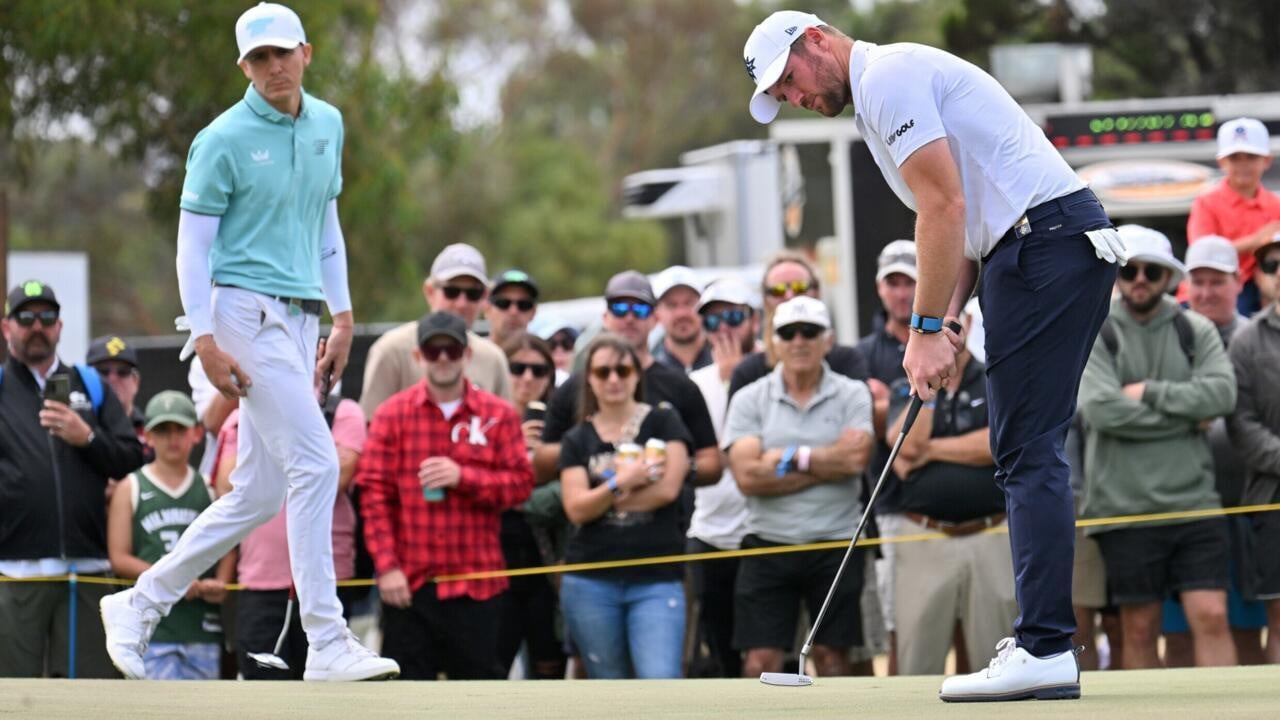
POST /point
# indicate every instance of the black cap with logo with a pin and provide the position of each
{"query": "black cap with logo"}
(28, 292)
(441, 323)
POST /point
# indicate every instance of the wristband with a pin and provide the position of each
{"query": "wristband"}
(925, 325)
(785, 464)
(802, 458)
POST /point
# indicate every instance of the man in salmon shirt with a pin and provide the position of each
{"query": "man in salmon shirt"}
(1240, 208)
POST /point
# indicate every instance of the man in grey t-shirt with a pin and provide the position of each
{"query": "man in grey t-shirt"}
(798, 441)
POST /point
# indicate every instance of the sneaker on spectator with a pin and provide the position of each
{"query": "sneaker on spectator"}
(345, 659)
(128, 630)
(1015, 674)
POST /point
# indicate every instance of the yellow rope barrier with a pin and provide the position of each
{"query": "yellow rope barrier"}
(722, 554)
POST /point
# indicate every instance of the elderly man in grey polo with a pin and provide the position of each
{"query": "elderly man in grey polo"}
(798, 441)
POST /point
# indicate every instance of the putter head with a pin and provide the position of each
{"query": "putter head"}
(786, 679)
(269, 661)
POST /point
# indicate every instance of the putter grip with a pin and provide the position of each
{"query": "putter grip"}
(914, 408)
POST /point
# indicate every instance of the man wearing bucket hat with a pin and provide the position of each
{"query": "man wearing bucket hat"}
(986, 185)
(1240, 208)
(1156, 379)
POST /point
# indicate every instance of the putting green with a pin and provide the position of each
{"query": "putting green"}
(1252, 692)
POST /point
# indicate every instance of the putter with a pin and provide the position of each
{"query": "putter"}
(800, 679)
(272, 660)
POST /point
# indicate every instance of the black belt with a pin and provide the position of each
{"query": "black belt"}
(310, 307)
(1036, 215)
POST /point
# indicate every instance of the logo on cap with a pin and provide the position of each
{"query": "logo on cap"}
(115, 346)
(792, 30)
(33, 288)
(259, 26)
(1240, 131)
(751, 66)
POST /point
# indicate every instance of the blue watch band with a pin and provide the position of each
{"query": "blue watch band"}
(788, 457)
(925, 324)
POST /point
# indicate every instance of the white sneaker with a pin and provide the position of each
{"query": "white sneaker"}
(128, 630)
(345, 659)
(1015, 674)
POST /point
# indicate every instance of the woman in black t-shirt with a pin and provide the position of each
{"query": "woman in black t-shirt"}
(627, 622)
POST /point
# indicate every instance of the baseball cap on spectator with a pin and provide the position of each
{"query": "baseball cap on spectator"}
(170, 406)
(629, 284)
(514, 277)
(1243, 135)
(1214, 252)
(111, 347)
(268, 24)
(546, 325)
(725, 290)
(1151, 246)
(30, 291)
(441, 323)
(674, 277)
(459, 260)
(765, 55)
(802, 309)
(898, 256)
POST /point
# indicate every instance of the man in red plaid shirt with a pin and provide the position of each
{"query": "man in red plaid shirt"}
(442, 461)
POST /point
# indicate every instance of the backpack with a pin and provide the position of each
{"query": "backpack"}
(1186, 336)
(92, 384)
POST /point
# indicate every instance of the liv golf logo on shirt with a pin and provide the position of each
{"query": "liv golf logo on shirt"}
(893, 136)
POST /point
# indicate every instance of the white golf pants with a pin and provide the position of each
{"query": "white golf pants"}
(285, 449)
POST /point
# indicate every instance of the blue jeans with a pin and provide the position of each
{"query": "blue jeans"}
(625, 629)
(1043, 296)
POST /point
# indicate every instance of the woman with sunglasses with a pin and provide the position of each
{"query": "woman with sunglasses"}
(787, 275)
(529, 610)
(629, 621)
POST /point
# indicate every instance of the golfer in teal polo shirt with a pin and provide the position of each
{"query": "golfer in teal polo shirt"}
(259, 248)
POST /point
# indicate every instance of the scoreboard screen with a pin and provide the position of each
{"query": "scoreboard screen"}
(1168, 126)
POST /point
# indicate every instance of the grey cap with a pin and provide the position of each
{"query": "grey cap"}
(458, 260)
(441, 323)
(629, 284)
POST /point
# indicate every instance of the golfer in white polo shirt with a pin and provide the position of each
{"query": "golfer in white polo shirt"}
(986, 185)
(259, 249)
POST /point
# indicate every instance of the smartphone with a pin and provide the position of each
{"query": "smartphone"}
(58, 388)
(535, 411)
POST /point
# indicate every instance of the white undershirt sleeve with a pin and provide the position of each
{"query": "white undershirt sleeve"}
(196, 234)
(333, 262)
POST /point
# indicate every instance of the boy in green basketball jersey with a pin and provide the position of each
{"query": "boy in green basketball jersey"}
(149, 512)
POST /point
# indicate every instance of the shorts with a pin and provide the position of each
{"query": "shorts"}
(1089, 574)
(183, 661)
(769, 589)
(1147, 564)
(1241, 614)
(1266, 561)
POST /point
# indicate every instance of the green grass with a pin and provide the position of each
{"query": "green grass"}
(1210, 693)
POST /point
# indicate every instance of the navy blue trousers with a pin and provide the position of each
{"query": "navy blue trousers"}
(1044, 297)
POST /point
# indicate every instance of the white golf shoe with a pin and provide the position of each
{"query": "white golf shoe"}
(345, 660)
(1015, 674)
(128, 630)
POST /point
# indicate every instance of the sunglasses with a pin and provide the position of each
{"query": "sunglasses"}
(641, 310)
(1269, 266)
(1152, 273)
(806, 330)
(603, 372)
(27, 318)
(797, 287)
(732, 318)
(119, 371)
(453, 351)
(564, 343)
(506, 303)
(473, 293)
(539, 370)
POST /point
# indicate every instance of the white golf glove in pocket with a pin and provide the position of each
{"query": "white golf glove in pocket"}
(183, 325)
(1108, 246)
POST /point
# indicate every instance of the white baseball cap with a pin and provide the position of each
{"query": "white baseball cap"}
(1151, 246)
(268, 24)
(898, 256)
(1243, 135)
(1214, 252)
(802, 309)
(674, 277)
(728, 290)
(459, 260)
(766, 53)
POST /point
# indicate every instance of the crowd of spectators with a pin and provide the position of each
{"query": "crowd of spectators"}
(743, 426)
